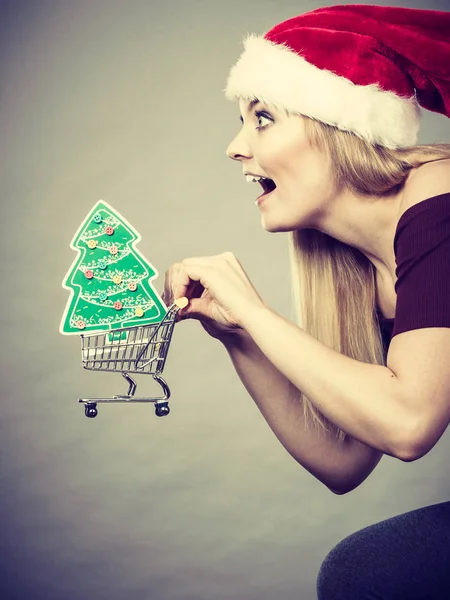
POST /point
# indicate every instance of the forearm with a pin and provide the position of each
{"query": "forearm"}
(341, 466)
(362, 399)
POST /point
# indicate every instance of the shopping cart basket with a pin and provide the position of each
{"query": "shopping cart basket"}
(141, 350)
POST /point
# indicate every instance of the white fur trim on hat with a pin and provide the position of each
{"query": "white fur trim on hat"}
(277, 75)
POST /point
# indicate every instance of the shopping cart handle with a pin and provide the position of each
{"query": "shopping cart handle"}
(182, 302)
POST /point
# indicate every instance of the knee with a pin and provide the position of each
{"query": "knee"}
(338, 577)
(329, 574)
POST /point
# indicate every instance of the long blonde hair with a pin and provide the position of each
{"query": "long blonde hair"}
(333, 284)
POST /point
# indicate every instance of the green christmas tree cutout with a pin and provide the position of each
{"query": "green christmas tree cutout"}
(109, 280)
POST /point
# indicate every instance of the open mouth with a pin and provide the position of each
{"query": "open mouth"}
(267, 184)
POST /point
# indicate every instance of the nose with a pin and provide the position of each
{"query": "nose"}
(239, 148)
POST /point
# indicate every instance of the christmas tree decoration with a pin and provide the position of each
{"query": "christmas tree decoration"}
(109, 280)
(123, 324)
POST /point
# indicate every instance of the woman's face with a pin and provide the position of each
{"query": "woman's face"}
(274, 145)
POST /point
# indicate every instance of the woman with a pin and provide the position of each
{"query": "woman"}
(329, 110)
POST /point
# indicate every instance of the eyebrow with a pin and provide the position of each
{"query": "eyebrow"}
(253, 103)
(249, 107)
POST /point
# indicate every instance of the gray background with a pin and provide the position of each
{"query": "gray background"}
(122, 101)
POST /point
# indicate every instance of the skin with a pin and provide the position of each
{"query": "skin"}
(273, 144)
(305, 196)
(404, 408)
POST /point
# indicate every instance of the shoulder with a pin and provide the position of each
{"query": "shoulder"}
(426, 181)
(419, 357)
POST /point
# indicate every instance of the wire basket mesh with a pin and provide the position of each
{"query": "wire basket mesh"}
(130, 350)
(141, 349)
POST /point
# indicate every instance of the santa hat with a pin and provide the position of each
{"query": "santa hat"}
(360, 68)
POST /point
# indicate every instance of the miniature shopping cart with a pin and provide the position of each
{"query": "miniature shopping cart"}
(141, 350)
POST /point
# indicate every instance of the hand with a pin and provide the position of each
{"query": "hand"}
(219, 292)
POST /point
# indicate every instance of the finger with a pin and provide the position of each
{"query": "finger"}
(196, 309)
(184, 286)
(176, 283)
(168, 293)
(199, 270)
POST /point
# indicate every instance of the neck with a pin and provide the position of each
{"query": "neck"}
(367, 223)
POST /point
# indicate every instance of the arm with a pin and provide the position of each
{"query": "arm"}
(368, 401)
(405, 407)
(401, 409)
(341, 466)
(365, 400)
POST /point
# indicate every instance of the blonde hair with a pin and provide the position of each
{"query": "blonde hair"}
(333, 284)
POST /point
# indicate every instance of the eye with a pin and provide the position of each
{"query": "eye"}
(263, 118)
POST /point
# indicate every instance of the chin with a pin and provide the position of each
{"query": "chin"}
(274, 227)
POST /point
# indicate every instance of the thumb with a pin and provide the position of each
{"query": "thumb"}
(196, 309)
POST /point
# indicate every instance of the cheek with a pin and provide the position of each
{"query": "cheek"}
(288, 157)
(308, 166)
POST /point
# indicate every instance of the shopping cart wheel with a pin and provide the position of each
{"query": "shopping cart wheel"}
(161, 410)
(90, 410)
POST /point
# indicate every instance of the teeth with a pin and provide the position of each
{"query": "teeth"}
(253, 178)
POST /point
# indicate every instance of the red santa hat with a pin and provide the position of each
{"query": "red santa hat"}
(361, 68)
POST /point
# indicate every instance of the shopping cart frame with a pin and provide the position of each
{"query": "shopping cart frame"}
(138, 350)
